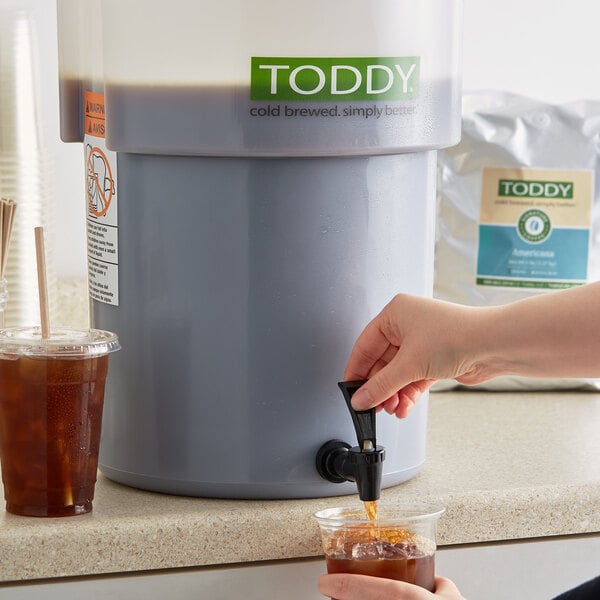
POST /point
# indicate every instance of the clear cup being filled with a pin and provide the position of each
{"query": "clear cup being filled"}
(51, 400)
(400, 543)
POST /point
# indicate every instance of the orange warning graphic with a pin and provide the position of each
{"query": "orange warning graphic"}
(94, 119)
(100, 182)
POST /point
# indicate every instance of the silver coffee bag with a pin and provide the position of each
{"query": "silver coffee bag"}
(519, 207)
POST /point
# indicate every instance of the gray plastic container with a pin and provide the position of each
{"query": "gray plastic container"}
(254, 238)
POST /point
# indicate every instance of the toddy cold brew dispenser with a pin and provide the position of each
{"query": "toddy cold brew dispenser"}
(260, 183)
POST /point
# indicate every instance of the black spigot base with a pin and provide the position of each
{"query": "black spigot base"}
(332, 461)
(368, 470)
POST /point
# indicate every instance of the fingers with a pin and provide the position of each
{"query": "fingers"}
(388, 384)
(409, 395)
(390, 405)
(445, 588)
(342, 586)
(400, 403)
(391, 356)
(368, 352)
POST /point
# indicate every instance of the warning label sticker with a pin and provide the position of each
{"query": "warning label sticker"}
(93, 116)
(101, 192)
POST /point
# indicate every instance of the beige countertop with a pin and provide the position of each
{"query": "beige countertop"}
(506, 466)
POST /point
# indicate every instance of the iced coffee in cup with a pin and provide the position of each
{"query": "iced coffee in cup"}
(399, 544)
(51, 398)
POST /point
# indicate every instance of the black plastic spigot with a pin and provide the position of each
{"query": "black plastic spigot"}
(364, 420)
(337, 461)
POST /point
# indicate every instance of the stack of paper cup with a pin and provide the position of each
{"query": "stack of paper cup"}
(26, 173)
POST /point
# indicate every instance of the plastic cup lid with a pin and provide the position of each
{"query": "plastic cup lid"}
(63, 341)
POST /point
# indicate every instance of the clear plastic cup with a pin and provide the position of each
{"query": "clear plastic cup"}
(19, 82)
(399, 544)
(51, 399)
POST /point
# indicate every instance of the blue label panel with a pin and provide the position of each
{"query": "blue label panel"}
(563, 255)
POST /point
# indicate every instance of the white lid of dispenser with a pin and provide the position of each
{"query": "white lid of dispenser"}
(343, 77)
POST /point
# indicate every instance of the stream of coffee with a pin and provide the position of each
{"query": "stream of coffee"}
(371, 509)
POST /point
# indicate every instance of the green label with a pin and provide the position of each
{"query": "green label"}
(522, 283)
(334, 79)
(535, 189)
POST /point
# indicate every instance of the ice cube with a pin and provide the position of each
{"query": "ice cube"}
(410, 550)
(387, 550)
(368, 551)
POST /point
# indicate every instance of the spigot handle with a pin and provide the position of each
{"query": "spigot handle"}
(364, 420)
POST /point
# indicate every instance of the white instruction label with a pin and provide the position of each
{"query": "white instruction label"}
(101, 193)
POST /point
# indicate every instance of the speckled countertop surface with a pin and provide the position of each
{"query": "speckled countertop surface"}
(505, 465)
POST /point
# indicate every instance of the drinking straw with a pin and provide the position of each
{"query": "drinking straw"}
(42, 282)
(7, 215)
(61, 442)
(1, 238)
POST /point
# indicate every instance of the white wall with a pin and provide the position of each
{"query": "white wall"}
(542, 48)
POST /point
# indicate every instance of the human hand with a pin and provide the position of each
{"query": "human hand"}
(412, 343)
(415, 341)
(342, 586)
